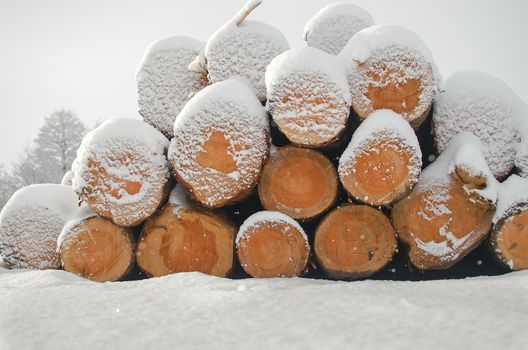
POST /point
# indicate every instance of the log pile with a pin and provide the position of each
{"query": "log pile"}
(253, 159)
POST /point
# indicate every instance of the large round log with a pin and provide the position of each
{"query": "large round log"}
(383, 160)
(242, 48)
(121, 171)
(271, 244)
(299, 182)
(449, 212)
(184, 238)
(164, 81)
(30, 223)
(354, 241)
(389, 67)
(308, 96)
(97, 249)
(221, 141)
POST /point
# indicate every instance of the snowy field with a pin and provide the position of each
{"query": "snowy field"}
(57, 310)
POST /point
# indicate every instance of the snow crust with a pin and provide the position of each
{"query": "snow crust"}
(267, 217)
(513, 195)
(485, 106)
(231, 108)
(332, 27)
(106, 147)
(382, 125)
(58, 310)
(244, 50)
(30, 223)
(312, 73)
(165, 83)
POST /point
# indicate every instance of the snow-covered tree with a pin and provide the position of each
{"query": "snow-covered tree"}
(56, 145)
(50, 157)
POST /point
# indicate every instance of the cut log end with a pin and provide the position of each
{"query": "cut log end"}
(98, 250)
(181, 239)
(299, 182)
(354, 241)
(405, 86)
(509, 241)
(441, 224)
(273, 249)
(380, 174)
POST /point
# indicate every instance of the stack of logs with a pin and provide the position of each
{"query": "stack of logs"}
(344, 158)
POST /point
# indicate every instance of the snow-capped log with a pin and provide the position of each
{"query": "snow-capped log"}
(331, 28)
(164, 81)
(299, 182)
(30, 223)
(241, 48)
(221, 140)
(389, 67)
(509, 235)
(308, 96)
(483, 105)
(67, 178)
(383, 160)
(121, 170)
(183, 238)
(271, 244)
(449, 211)
(97, 249)
(354, 241)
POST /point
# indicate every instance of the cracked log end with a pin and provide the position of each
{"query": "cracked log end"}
(181, 239)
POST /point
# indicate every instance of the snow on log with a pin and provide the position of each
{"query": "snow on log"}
(221, 140)
(97, 249)
(331, 28)
(521, 123)
(241, 48)
(183, 238)
(308, 96)
(449, 212)
(354, 241)
(164, 81)
(30, 223)
(483, 105)
(383, 160)
(389, 67)
(67, 178)
(121, 171)
(271, 244)
(509, 236)
(299, 182)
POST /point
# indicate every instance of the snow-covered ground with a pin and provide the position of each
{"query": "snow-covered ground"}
(57, 310)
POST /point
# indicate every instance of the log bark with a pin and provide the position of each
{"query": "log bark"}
(184, 239)
(273, 245)
(509, 239)
(383, 160)
(299, 182)
(98, 250)
(354, 241)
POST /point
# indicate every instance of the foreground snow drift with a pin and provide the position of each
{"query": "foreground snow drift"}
(54, 309)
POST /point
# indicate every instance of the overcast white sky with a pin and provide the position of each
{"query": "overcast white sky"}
(82, 55)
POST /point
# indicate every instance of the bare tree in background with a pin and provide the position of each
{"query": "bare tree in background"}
(50, 156)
